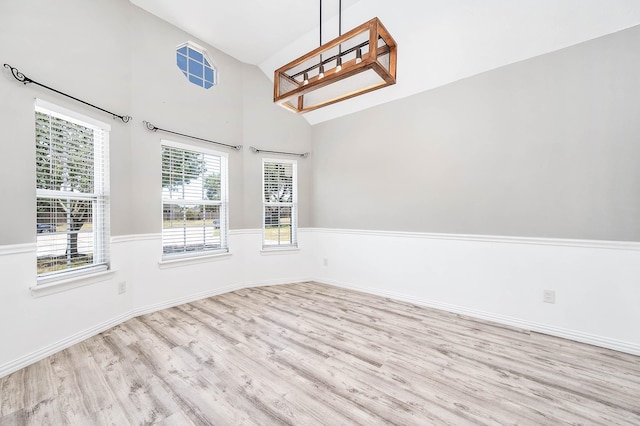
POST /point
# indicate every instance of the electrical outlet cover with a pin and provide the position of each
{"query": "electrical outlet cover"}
(549, 296)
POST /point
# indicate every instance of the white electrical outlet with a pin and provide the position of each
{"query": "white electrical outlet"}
(549, 296)
(325, 262)
(122, 287)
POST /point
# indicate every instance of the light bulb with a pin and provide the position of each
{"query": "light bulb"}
(306, 79)
(338, 64)
(358, 56)
(321, 72)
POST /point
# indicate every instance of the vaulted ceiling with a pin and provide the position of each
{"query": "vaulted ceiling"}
(439, 41)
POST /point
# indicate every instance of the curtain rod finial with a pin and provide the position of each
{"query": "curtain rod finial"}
(150, 126)
(17, 74)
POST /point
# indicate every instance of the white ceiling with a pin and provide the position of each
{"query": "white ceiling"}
(439, 41)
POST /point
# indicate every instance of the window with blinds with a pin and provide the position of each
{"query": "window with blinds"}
(194, 200)
(280, 203)
(72, 196)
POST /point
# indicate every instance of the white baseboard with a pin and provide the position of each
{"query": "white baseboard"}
(577, 336)
(49, 350)
(24, 361)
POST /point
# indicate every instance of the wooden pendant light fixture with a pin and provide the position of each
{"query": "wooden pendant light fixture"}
(361, 60)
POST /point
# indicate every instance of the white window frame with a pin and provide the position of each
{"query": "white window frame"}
(191, 45)
(223, 203)
(293, 204)
(100, 196)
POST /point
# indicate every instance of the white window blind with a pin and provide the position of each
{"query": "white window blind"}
(194, 200)
(280, 203)
(72, 193)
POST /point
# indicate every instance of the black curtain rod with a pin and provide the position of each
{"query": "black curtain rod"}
(257, 151)
(155, 129)
(24, 79)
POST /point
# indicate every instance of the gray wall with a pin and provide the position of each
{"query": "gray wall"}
(547, 147)
(271, 127)
(85, 57)
(121, 58)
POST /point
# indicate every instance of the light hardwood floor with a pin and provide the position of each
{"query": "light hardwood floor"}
(309, 354)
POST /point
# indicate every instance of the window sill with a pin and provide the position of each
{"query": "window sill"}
(71, 283)
(191, 260)
(279, 250)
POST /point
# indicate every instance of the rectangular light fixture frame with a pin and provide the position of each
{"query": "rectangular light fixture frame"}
(289, 80)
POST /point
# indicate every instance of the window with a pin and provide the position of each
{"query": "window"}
(195, 65)
(280, 211)
(72, 192)
(194, 200)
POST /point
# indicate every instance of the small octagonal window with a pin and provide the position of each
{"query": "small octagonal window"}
(196, 65)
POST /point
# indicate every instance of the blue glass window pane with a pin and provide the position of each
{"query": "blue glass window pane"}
(193, 54)
(195, 68)
(182, 62)
(208, 74)
(195, 80)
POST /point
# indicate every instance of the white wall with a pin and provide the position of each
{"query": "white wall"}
(246, 266)
(35, 325)
(497, 278)
(494, 278)
(31, 326)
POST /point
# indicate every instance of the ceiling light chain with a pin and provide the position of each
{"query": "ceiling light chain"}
(321, 68)
(339, 60)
